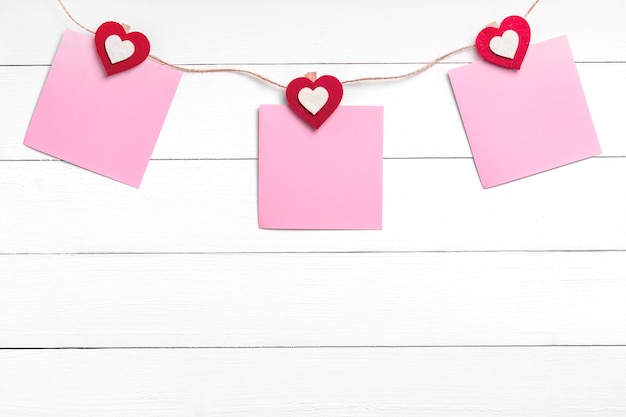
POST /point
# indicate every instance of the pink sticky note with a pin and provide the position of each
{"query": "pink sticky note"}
(108, 125)
(519, 123)
(330, 178)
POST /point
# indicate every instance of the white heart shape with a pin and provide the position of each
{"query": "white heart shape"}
(118, 50)
(313, 100)
(505, 45)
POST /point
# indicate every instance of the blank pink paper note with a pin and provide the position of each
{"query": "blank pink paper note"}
(107, 125)
(330, 178)
(519, 123)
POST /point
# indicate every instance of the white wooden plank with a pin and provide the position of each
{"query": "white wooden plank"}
(210, 206)
(278, 31)
(313, 300)
(517, 382)
(209, 120)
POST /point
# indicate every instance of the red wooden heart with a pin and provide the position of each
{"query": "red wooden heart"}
(306, 98)
(119, 50)
(499, 48)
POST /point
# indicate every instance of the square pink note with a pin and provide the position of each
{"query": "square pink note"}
(108, 125)
(519, 123)
(330, 178)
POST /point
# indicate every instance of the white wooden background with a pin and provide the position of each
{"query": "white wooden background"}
(170, 301)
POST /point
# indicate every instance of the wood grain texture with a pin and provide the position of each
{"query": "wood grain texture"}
(208, 121)
(287, 32)
(469, 302)
(368, 299)
(521, 382)
(210, 206)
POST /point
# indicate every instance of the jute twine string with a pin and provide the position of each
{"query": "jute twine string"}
(263, 78)
(428, 65)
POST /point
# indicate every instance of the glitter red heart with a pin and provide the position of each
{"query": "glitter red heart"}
(485, 47)
(314, 117)
(112, 33)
